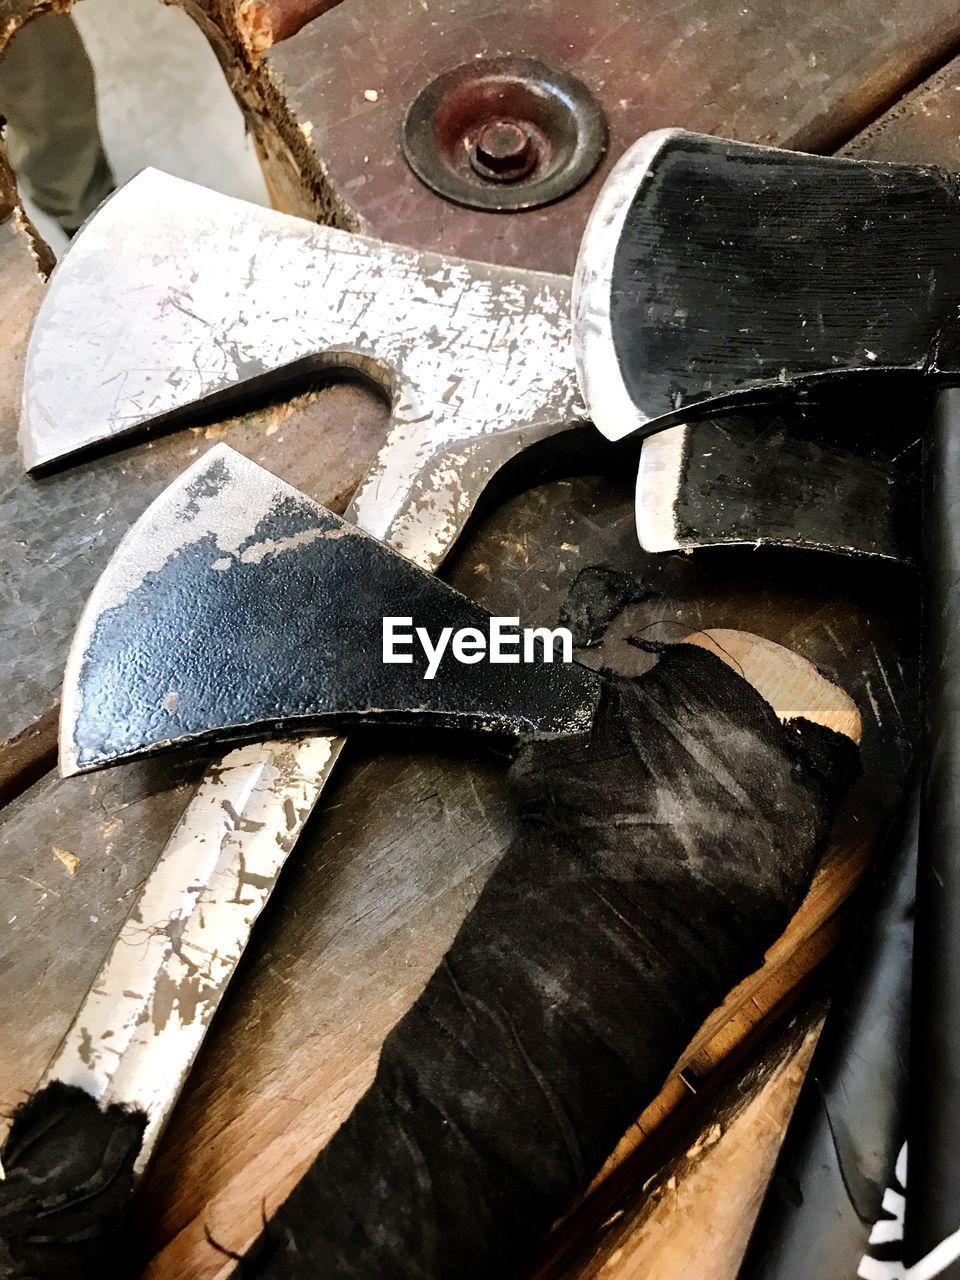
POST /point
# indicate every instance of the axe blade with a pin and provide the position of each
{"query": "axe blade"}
(174, 298)
(742, 481)
(714, 273)
(237, 607)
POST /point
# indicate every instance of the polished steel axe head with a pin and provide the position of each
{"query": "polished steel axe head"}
(236, 607)
(714, 273)
(174, 299)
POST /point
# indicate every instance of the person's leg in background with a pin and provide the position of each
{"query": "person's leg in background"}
(52, 136)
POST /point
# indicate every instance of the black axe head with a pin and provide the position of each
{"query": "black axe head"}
(714, 272)
(236, 607)
(762, 479)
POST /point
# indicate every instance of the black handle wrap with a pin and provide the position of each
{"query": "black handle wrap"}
(840, 1152)
(68, 1174)
(656, 859)
(933, 1116)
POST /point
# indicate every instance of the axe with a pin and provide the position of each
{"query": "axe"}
(642, 804)
(768, 479)
(715, 274)
(174, 300)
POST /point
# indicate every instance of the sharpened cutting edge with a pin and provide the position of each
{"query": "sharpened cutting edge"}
(232, 571)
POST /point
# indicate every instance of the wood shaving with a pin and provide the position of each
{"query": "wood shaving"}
(69, 860)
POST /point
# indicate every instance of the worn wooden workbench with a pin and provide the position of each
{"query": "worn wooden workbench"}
(405, 838)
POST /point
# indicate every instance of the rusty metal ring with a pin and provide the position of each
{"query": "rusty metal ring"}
(504, 134)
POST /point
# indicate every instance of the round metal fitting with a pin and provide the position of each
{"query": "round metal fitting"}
(504, 134)
(503, 152)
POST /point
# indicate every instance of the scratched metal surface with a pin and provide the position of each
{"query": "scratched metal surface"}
(511, 566)
(148, 1007)
(658, 255)
(475, 360)
(367, 908)
(780, 479)
(390, 867)
(493, 377)
(115, 825)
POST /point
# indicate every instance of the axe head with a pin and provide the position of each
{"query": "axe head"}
(767, 480)
(237, 607)
(714, 273)
(175, 300)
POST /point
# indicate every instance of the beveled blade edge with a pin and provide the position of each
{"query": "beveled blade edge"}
(150, 540)
(609, 403)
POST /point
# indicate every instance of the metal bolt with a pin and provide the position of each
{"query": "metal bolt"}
(503, 151)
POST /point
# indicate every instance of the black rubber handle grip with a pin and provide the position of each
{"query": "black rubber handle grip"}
(933, 1207)
(655, 861)
(841, 1148)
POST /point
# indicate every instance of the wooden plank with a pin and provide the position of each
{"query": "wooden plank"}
(922, 128)
(25, 263)
(28, 755)
(327, 106)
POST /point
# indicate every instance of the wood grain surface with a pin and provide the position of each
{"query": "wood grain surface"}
(403, 842)
(695, 1220)
(800, 75)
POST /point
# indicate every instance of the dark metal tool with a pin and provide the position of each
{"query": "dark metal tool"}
(156, 313)
(173, 300)
(236, 608)
(764, 479)
(285, 601)
(715, 274)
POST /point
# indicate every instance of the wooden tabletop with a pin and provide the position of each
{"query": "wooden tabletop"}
(408, 832)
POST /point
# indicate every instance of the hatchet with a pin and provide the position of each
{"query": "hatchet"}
(713, 274)
(643, 803)
(769, 479)
(174, 300)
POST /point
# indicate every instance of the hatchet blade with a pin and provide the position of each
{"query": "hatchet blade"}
(174, 299)
(237, 607)
(715, 273)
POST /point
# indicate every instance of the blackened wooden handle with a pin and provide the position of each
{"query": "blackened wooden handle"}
(656, 859)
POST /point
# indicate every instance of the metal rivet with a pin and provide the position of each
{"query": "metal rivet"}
(504, 151)
(504, 134)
